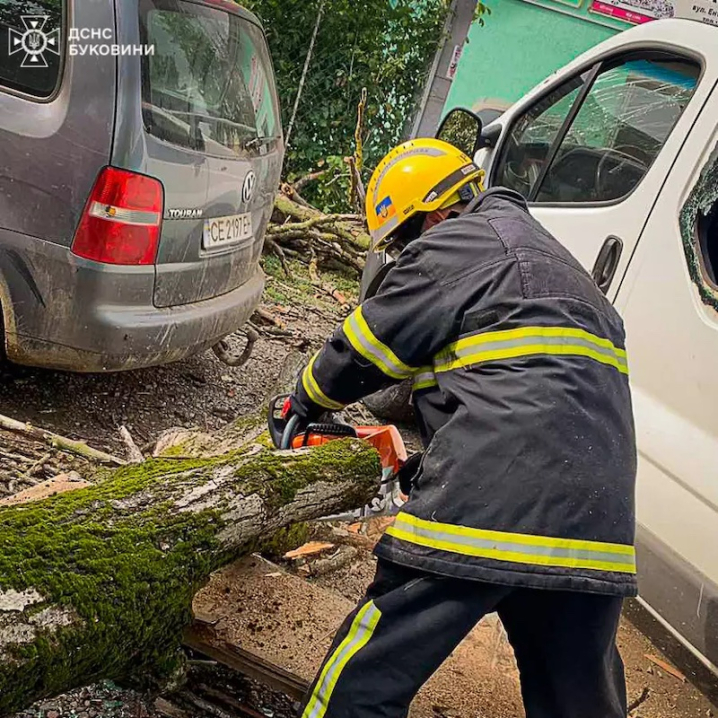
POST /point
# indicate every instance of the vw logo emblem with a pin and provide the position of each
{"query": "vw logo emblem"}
(250, 182)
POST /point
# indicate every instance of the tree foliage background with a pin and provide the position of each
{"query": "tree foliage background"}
(386, 46)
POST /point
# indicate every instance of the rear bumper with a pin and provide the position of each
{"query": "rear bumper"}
(63, 312)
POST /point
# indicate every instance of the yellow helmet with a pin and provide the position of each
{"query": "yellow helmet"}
(421, 175)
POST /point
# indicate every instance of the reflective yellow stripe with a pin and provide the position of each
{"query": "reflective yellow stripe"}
(360, 632)
(514, 547)
(424, 379)
(529, 341)
(363, 340)
(314, 391)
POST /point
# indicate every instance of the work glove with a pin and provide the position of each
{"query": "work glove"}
(408, 473)
(308, 412)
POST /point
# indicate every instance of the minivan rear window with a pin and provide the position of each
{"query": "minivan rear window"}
(209, 85)
(31, 45)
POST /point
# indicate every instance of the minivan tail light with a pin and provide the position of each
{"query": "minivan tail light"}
(122, 219)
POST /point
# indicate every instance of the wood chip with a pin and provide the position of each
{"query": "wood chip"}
(342, 558)
(205, 618)
(308, 549)
(667, 667)
(165, 708)
(135, 456)
(58, 485)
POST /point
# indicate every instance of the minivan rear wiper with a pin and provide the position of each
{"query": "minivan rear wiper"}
(260, 142)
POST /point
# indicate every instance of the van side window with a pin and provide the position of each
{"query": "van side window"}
(31, 46)
(609, 142)
(533, 135)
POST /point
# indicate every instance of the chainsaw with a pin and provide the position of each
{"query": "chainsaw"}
(287, 436)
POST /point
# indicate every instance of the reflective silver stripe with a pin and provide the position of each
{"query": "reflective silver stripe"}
(528, 341)
(389, 226)
(513, 547)
(424, 379)
(402, 155)
(360, 632)
(372, 349)
(548, 341)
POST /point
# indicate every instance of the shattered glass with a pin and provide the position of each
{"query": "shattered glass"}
(701, 201)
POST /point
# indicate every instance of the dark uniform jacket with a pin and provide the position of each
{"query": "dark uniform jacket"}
(521, 389)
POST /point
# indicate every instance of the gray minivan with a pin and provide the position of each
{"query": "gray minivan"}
(140, 151)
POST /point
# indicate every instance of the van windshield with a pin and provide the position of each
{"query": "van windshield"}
(209, 84)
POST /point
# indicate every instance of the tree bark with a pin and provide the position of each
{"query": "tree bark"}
(342, 228)
(98, 583)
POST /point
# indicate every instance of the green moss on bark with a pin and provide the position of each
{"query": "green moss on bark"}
(126, 563)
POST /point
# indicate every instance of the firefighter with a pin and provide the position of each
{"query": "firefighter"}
(523, 501)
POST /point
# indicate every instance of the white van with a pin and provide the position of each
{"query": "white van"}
(617, 154)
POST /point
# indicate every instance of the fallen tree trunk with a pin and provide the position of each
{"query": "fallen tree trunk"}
(98, 583)
(300, 232)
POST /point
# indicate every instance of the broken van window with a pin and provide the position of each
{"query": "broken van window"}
(209, 84)
(532, 136)
(699, 231)
(619, 130)
(708, 239)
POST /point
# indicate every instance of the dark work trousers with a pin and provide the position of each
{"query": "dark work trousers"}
(410, 621)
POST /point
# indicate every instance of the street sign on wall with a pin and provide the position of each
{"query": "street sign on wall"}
(633, 11)
(639, 11)
(702, 10)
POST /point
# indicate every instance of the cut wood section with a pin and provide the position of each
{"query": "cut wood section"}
(280, 618)
(276, 623)
(203, 638)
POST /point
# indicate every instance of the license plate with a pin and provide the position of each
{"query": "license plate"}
(223, 231)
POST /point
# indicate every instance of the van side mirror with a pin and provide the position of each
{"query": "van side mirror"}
(462, 128)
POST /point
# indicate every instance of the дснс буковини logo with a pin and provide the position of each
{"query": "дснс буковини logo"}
(34, 42)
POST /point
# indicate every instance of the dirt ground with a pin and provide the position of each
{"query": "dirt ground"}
(198, 393)
(203, 393)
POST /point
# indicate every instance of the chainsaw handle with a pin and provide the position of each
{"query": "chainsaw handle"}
(281, 430)
(288, 434)
(329, 428)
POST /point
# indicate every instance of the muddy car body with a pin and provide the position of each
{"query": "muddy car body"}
(140, 150)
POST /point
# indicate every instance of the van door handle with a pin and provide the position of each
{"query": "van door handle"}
(604, 270)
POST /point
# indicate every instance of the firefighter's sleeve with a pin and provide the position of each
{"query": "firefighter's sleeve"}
(389, 338)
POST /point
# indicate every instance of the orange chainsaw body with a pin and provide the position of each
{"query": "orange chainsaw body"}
(385, 439)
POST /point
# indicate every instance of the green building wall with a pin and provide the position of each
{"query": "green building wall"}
(521, 43)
